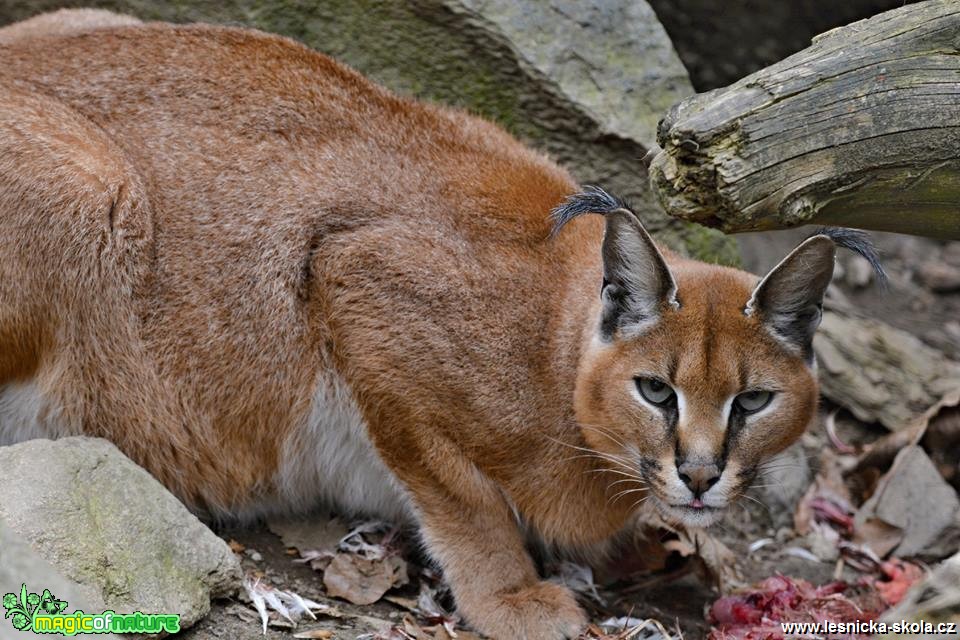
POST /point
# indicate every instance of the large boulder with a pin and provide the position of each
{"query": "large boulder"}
(586, 82)
(109, 527)
(22, 564)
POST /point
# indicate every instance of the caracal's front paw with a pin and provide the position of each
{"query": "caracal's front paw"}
(544, 611)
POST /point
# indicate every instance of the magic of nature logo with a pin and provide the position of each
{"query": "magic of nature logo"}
(44, 613)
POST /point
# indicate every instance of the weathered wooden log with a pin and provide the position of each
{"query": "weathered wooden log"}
(861, 129)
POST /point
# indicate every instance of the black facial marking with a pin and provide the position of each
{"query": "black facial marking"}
(735, 423)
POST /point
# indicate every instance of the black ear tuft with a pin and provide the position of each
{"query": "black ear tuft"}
(637, 284)
(591, 200)
(858, 242)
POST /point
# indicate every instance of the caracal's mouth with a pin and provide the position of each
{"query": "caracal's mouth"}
(694, 514)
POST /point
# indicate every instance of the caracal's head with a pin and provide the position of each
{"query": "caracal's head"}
(696, 375)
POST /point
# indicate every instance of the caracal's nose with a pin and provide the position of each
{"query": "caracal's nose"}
(699, 476)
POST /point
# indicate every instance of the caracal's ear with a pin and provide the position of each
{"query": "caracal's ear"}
(637, 284)
(789, 299)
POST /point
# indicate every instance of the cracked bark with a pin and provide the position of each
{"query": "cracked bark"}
(861, 129)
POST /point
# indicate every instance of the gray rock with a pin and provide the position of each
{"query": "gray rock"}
(939, 276)
(610, 60)
(585, 82)
(859, 272)
(110, 527)
(880, 373)
(21, 564)
(914, 498)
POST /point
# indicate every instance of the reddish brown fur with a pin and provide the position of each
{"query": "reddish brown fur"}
(200, 221)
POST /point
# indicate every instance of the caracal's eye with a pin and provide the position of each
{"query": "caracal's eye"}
(753, 401)
(656, 391)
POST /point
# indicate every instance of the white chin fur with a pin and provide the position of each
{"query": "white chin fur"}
(688, 517)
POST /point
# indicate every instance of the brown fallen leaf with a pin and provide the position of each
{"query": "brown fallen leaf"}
(720, 562)
(322, 634)
(942, 442)
(236, 547)
(322, 533)
(937, 431)
(362, 581)
(410, 604)
(413, 629)
(881, 536)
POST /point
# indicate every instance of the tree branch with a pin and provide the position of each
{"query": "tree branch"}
(861, 129)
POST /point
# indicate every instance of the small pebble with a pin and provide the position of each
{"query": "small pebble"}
(859, 272)
(939, 276)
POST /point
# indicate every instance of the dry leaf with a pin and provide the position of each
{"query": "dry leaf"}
(937, 431)
(322, 634)
(236, 547)
(628, 628)
(363, 581)
(411, 627)
(915, 498)
(942, 440)
(321, 534)
(882, 537)
(410, 604)
(718, 559)
(440, 633)
(881, 374)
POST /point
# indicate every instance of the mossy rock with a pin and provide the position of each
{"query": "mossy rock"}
(112, 529)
